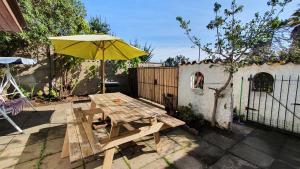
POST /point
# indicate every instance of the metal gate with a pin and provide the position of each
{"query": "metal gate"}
(278, 108)
(158, 84)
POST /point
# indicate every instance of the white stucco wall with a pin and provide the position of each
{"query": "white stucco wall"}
(214, 76)
(266, 109)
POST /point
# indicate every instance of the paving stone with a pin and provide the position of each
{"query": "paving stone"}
(290, 152)
(182, 160)
(27, 139)
(56, 132)
(5, 139)
(158, 164)
(206, 153)
(231, 162)
(118, 163)
(139, 155)
(278, 164)
(219, 140)
(16, 155)
(241, 129)
(267, 146)
(54, 162)
(182, 137)
(54, 146)
(167, 145)
(25, 165)
(252, 155)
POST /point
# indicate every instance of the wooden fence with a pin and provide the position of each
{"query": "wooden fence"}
(158, 84)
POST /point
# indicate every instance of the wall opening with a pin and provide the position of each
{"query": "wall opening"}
(197, 82)
(263, 82)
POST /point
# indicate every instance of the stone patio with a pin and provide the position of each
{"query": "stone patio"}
(244, 147)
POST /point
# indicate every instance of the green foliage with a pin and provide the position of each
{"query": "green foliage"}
(237, 40)
(44, 18)
(53, 94)
(173, 62)
(192, 119)
(99, 26)
(132, 63)
(40, 94)
(91, 71)
(25, 92)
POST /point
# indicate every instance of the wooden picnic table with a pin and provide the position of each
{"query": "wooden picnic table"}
(122, 110)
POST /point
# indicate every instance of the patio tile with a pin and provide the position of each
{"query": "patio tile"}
(206, 153)
(241, 129)
(270, 147)
(182, 160)
(54, 162)
(36, 129)
(118, 163)
(16, 155)
(167, 145)
(278, 164)
(290, 152)
(139, 155)
(54, 146)
(59, 116)
(219, 140)
(5, 139)
(58, 131)
(231, 162)
(25, 165)
(252, 155)
(158, 164)
(182, 137)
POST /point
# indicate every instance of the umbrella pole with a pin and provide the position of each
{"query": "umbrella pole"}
(103, 76)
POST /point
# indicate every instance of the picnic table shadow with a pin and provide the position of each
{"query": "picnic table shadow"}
(25, 120)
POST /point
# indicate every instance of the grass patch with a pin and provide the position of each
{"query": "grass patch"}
(42, 155)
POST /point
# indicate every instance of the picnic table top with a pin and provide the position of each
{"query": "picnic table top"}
(124, 109)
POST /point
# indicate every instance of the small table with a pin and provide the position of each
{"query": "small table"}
(122, 110)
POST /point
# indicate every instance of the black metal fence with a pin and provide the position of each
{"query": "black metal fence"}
(276, 105)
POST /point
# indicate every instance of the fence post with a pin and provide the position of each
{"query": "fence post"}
(249, 92)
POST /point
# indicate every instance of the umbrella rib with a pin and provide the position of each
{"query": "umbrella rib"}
(119, 51)
(69, 46)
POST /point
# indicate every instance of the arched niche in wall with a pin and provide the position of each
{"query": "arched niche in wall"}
(263, 82)
(197, 82)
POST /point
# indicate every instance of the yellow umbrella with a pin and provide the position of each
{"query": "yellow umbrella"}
(96, 47)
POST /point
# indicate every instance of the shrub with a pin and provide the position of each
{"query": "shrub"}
(192, 119)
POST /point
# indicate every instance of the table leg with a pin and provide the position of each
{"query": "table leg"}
(156, 135)
(65, 149)
(93, 105)
(109, 154)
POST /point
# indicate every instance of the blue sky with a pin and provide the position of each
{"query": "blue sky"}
(153, 21)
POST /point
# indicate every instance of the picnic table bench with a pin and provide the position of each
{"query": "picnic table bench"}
(81, 142)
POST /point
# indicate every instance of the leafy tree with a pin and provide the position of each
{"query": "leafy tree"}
(235, 40)
(132, 63)
(44, 18)
(175, 61)
(294, 22)
(99, 26)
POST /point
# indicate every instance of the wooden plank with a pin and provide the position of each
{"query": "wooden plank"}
(132, 135)
(169, 120)
(156, 135)
(74, 146)
(85, 146)
(65, 149)
(109, 154)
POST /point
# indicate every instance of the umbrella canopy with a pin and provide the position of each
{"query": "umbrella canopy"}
(96, 47)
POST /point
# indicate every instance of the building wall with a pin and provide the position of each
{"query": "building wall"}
(214, 76)
(38, 76)
(269, 107)
(266, 109)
